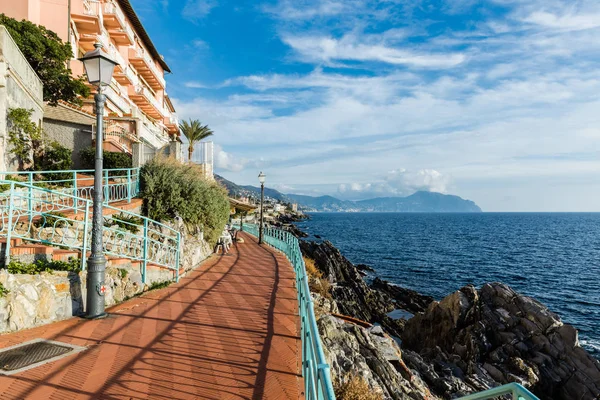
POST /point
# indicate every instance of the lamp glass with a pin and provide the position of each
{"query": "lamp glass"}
(99, 67)
(262, 177)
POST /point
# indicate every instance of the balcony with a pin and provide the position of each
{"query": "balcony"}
(126, 76)
(117, 135)
(117, 25)
(87, 40)
(152, 134)
(85, 15)
(117, 99)
(144, 64)
(146, 101)
(172, 124)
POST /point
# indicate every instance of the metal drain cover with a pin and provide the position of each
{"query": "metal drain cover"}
(31, 354)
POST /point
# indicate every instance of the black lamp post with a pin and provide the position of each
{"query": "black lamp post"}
(261, 178)
(99, 69)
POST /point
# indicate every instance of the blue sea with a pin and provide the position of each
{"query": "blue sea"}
(553, 257)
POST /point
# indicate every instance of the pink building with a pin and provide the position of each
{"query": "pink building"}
(138, 109)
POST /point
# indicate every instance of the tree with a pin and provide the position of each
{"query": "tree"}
(48, 56)
(194, 131)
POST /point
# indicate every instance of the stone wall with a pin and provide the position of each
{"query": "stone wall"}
(35, 300)
(75, 137)
(20, 87)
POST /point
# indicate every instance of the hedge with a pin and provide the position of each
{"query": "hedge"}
(112, 159)
(171, 189)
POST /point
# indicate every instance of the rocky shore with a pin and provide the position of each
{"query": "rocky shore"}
(405, 345)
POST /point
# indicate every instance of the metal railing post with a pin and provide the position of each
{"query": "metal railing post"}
(129, 185)
(29, 196)
(86, 224)
(145, 253)
(75, 191)
(177, 255)
(11, 209)
(106, 188)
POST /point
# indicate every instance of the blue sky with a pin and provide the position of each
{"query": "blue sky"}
(495, 101)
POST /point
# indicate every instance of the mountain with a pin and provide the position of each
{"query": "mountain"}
(419, 202)
(416, 202)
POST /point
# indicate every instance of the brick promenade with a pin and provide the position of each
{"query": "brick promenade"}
(229, 330)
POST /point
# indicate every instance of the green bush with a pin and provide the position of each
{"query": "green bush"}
(3, 291)
(124, 221)
(112, 159)
(49, 219)
(17, 267)
(171, 189)
(55, 157)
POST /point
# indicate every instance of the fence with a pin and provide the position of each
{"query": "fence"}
(60, 219)
(118, 184)
(516, 391)
(317, 377)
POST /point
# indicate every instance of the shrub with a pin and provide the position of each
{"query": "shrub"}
(171, 189)
(112, 159)
(316, 282)
(17, 267)
(55, 157)
(23, 135)
(354, 387)
(126, 222)
(48, 55)
(3, 291)
(49, 219)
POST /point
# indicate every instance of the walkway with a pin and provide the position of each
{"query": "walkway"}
(229, 330)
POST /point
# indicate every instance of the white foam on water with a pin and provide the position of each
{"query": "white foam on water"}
(591, 344)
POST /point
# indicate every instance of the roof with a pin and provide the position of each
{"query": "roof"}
(139, 28)
(67, 113)
(241, 206)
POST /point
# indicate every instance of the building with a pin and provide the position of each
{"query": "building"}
(20, 87)
(140, 117)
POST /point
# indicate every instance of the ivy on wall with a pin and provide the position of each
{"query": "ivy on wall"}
(23, 135)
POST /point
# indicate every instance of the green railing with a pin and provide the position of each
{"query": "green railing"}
(315, 370)
(119, 184)
(54, 218)
(516, 391)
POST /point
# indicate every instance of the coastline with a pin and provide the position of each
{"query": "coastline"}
(469, 341)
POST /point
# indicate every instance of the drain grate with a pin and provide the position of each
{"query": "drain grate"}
(31, 354)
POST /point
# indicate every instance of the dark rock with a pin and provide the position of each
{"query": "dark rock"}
(364, 268)
(405, 299)
(348, 289)
(507, 336)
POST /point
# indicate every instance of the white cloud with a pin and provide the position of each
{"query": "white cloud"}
(398, 182)
(198, 9)
(227, 161)
(350, 48)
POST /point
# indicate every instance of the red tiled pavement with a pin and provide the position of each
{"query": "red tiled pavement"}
(229, 330)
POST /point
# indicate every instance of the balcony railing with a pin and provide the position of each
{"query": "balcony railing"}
(141, 89)
(118, 99)
(138, 52)
(152, 134)
(90, 8)
(112, 9)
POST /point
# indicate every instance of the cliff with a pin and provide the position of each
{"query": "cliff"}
(470, 341)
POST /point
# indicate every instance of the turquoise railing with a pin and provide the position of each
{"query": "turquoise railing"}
(119, 184)
(516, 391)
(315, 370)
(59, 219)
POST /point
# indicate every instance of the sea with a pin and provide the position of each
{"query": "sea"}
(552, 257)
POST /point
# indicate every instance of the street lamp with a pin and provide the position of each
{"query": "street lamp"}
(99, 69)
(261, 178)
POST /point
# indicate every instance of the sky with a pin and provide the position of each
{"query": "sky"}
(495, 101)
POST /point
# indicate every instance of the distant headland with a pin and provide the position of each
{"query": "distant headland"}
(417, 202)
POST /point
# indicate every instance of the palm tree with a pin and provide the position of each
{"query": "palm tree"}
(194, 131)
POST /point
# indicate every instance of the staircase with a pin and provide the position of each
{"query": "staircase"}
(49, 219)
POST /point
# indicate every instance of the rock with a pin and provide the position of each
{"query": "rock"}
(404, 299)
(507, 336)
(351, 349)
(348, 289)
